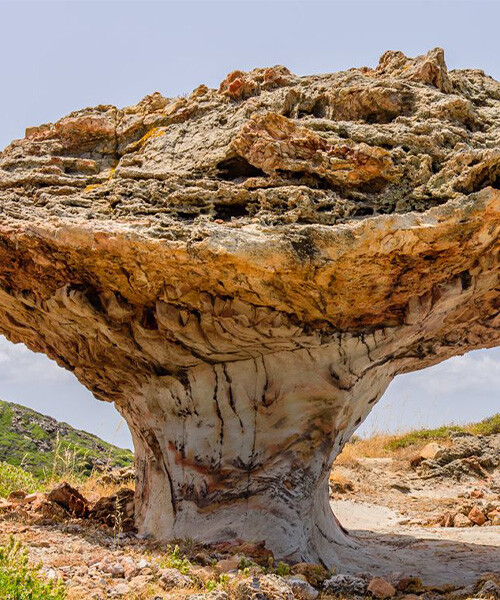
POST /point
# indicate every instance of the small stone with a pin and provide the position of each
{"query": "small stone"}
(16, 496)
(461, 520)
(139, 583)
(114, 569)
(476, 516)
(446, 520)
(477, 493)
(380, 588)
(203, 558)
(229, 564)
(204, 574)
(496, 520)
(302, 589)
(431, 451)
(171, 578)
(120, 590)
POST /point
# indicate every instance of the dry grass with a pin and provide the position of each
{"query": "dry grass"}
(64, 468)
(336, 476)
(382, 446)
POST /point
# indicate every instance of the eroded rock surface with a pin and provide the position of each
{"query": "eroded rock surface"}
(243, 271)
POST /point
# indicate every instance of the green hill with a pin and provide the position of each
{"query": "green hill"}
(42, 445)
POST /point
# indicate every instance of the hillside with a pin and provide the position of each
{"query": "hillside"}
(40, 443)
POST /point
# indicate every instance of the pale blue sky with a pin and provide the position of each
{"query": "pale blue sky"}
(60, 56)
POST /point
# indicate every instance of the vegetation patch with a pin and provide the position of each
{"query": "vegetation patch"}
(489, 426)
(14, 478)
(20, 581)
(46, 447)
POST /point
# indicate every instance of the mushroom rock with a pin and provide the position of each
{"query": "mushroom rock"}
(243, 271)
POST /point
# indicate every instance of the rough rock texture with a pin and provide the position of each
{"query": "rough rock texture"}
(468, 455)
(243, 271)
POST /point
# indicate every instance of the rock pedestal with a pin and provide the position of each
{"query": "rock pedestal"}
(243, 272)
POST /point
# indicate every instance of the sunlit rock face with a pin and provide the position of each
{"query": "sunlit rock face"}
(243, 271)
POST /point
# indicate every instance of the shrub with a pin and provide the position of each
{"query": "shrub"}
(174, 559)
(19, 581)
(14, 478)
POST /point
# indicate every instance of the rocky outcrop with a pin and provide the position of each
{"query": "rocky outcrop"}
(243, 271)
(468, 455)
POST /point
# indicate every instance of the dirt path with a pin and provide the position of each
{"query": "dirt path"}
(437, 555)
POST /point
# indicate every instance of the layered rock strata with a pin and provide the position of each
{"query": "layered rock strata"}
(243, 272)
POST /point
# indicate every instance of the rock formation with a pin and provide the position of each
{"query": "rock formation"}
(243, 271)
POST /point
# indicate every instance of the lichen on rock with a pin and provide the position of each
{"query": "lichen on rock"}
(243, 272)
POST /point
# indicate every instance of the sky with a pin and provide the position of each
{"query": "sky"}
(61, 56)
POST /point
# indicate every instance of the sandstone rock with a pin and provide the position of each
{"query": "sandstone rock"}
(381, 588)
(46, 511)
(70, 499)
(496, 520)
(461, 520)
(476, 493)
(245, 270)
(431, 450)
(477, 516)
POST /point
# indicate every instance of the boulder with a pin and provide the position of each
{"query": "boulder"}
(381, 588)
(70, 499)
(477, 516)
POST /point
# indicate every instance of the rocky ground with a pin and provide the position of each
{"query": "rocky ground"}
(432, 516)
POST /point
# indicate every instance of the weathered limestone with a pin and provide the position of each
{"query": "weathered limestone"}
(245, 270)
